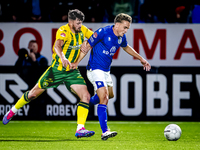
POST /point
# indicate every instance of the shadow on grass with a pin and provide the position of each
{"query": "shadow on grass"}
(39, 139)
(62, 140)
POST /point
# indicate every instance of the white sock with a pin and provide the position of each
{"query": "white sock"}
(79, 126)
(14, 109)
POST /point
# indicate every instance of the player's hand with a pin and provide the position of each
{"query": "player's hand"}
(74, 65)
(32, 56)
(146, 65)
(85, 47)
(66, 62)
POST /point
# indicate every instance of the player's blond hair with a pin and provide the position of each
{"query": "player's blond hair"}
(120, 17)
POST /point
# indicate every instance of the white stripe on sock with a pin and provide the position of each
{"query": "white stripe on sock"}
(14, 109)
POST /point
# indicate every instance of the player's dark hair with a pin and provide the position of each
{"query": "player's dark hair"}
(120, 17)
(73, 14)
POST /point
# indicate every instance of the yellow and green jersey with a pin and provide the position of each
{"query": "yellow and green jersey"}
(71, 46)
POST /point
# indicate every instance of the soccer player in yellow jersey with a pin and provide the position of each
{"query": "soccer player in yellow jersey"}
(66, 50)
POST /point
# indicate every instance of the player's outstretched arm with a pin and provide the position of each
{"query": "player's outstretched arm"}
(146, 65)
(85, 47)
(59, 52)
(132, 52)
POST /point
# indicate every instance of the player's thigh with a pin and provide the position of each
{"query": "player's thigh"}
(110, 91)
(52, 78)
(97, 78)
(81, 91)
(76, 84)
(109, 83)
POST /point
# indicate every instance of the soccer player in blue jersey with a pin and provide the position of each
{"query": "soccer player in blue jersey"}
(103, 44)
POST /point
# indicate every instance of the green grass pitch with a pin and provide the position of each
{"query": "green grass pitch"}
(59, 135)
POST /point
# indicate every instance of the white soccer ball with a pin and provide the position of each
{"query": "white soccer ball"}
(172, 132)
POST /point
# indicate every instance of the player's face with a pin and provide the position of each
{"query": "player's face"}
(77, 24)
(123, 28)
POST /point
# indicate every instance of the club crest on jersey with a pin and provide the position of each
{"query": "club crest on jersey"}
(95, 35)
(45, 84)
(119, 40)
(62, 34)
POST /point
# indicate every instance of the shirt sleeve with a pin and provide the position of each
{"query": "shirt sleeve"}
(88, 32)
(96, 37)
(124, 41)
(61, 34)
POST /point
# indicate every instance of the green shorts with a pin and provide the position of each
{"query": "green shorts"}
(52, 78)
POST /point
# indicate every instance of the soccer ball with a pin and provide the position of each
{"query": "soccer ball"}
(172, 132)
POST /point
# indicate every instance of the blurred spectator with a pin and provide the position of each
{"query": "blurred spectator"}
(178, 11)
(30, 64)
(36, 57)
(36, 11)
(123, 6)
(29, 10)
(20, 10)
(196, 14)
(94, 10)
(153, 11)
(181, 14)
(23, 56)
(146, 12)
(142, 11)
(6, 11)
(60, 8)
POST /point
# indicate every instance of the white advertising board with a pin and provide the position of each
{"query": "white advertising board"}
(160, 44)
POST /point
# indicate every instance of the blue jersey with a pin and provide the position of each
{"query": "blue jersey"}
(104, 45)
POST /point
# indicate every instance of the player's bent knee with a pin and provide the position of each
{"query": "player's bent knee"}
(86, 97)
(104, 99)
(32, 96)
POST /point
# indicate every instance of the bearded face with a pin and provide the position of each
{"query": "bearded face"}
(76, 26)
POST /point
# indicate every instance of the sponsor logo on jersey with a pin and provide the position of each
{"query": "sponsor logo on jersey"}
(91, 39)
(63, 35)
(106, 52)
(95, 35)
(77, 47)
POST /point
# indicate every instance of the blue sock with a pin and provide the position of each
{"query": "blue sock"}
(102, 114)
(94, 99)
